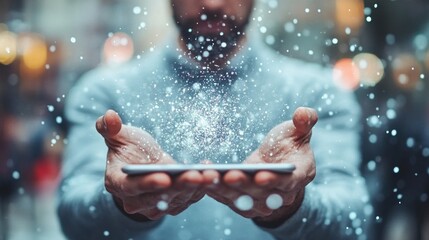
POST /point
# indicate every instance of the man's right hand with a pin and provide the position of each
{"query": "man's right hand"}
(150, 196)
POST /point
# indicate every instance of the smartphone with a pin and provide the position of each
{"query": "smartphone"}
(136, 169)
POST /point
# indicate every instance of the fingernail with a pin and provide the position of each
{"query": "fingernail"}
(104, 123)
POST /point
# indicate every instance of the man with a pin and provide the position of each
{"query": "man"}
(212, 95)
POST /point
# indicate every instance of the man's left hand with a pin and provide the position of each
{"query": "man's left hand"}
(267, 197)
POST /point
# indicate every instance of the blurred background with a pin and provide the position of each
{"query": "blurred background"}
(378, 49)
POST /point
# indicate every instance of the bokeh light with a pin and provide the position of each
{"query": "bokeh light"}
(371, 68)
(7, 47)
(346, 74)
(406, 71)
(34, 51)
(349, 14)
(118, 48)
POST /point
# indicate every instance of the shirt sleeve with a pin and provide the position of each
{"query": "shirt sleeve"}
(85, 209)
(336, 204)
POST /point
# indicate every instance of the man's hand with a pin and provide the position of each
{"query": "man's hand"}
(267, 197)
(148, 196)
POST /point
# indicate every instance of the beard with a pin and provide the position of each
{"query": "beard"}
(213, 38)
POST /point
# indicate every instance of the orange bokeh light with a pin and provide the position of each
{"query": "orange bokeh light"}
(7, 47)
(346, 74)
(406, 71)
(349, 14)
(34, 51)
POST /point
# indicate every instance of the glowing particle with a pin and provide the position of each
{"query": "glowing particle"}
(51, 108)
(59, 119)
(391, 114)
(244, 203)
(137, 10)
(410, 142)
(371, 165)
(162, 205)
(16, 175)
(274, 201)
(396, 169)
(92, 208)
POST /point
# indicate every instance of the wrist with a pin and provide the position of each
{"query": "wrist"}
(279, 216)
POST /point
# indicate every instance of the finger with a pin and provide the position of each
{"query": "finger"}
(109, 124)
(304, 119)
(267, 179)
(137, 185)
(211, 177)
(235, 178)
(189, 179)
(240, 181)
(246, 184)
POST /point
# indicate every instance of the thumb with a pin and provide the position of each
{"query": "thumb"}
(304, 119)
(109, 124)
